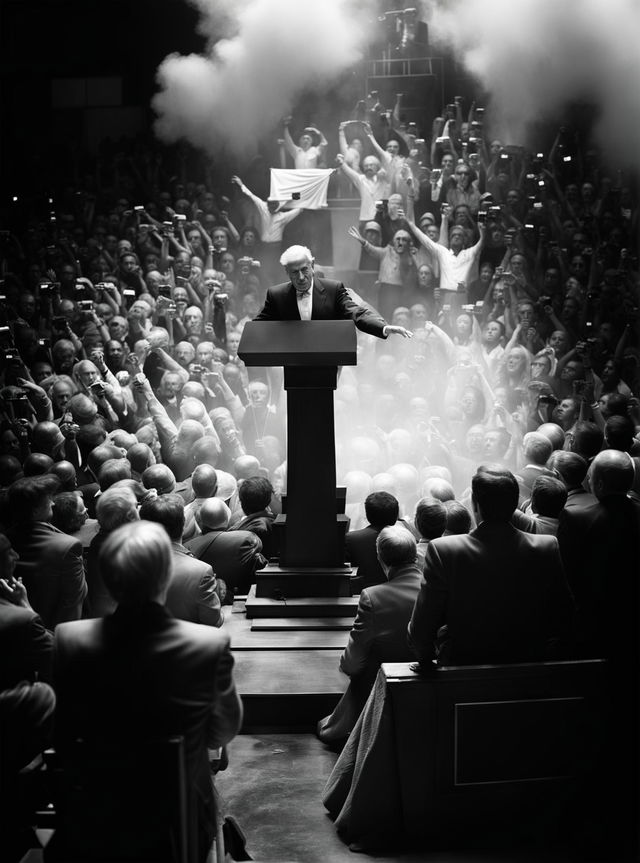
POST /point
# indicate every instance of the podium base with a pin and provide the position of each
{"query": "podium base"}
(304, 606)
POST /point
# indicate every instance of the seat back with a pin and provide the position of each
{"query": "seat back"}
(481, 745)
(123, 804)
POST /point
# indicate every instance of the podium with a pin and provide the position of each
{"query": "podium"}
(312, 531)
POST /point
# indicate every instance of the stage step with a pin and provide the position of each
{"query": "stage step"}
(244, 637)
(302, 624)
(308, 606)
(287, 690)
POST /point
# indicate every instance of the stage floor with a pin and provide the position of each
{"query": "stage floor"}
(288, 678)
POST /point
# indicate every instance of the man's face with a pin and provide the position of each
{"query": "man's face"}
(571, 371)
(61, 393)
(219, 240)
(493, 444)
(393, 148)
(193, 321)
(233, 340)
(301, 274)
(305, 141)
(526, 313)
(184, 353)
(370, 166)
(117, 328)
(433, 233)
(204, 353)
(558, 341)
(475, 440)
(456, 240)
(447, 164)
(401, 242)
(114, 351)
(258, 394)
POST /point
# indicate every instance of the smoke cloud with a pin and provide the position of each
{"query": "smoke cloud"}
(270, 51)
(536, 56)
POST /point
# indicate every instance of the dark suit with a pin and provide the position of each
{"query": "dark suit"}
(260, 523)
(233, 555)
(600, 548)
(501, 593)
(192, 590)
(51, 568)
(330, 302)
(378, 634)
(360, 546)
(139, 673)
(26, 705)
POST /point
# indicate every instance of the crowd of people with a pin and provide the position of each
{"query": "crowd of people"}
(123, 397)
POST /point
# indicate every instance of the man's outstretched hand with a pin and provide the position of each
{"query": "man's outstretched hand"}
(400, 331)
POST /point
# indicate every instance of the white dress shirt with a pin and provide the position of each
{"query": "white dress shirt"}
(305, 302)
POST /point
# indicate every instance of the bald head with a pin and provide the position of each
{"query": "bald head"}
(204, 481)
(553, 432)
(160, 477)
(47, 438)
(66, 473)
(611, 473)
(245, 466)
(36, 464)
(214, 514)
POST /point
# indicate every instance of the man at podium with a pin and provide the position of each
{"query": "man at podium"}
(307, 297)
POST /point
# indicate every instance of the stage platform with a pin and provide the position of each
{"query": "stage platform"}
(286, 669)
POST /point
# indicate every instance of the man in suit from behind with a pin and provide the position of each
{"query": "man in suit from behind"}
(379, 630)
(141, 673)
(307, 297)
(234, 555)
(381, 510)
(193, 590)
(572, 470)
(255, 495)
(501, 594)
(50, 564)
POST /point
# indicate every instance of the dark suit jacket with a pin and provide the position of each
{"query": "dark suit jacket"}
(378, 634)
(139, 673)
(360, 546)
(51, 568)
(233, 555)
(600, 548)
(260, 523)
(192, 591)
(501, 593)
(26, 647)
(379, 631)
(330, 302)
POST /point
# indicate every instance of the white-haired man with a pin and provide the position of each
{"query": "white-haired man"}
(140, 673)
(307, 297)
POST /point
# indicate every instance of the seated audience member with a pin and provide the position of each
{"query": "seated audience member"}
(430, 521)
(469, 587)
(255, 496)
(379, 631)
(204, 484)
(117, 506)
(458, 518)
(536, 450)
(600, 547)
(27, 701)
(548, 497)
(572, 470)
(50, 563)
(192, 593)
(234, 555)
(381, 510)
(140, 672)
(27, 651)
